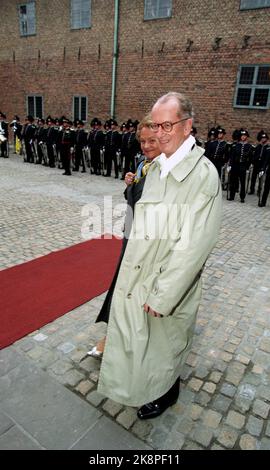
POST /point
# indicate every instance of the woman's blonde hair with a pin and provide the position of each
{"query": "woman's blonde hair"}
(145, 122)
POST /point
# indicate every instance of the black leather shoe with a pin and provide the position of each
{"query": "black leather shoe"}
(261, 204)
(157, 407)
(242, 200)
(251, 192)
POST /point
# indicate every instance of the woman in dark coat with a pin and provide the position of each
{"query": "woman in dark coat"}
(135, 183)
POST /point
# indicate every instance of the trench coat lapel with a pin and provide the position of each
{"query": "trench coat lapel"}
(155, 189)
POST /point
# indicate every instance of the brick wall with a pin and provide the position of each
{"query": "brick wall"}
(153, 58)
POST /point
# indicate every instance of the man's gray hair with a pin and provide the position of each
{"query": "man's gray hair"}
(185, 107)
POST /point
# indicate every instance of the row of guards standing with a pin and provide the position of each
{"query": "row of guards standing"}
(66, 144)
(240, 164)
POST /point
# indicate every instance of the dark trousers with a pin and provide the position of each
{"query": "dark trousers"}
(238, 174)
(65, 158)
(110, 156)
(255, 173)
(29, 152)
(79, 160)
(266, 188)
(3, 147)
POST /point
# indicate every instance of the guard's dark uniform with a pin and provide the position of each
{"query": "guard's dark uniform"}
(28, 134)
(240, 160)
(80, 143)
(67, 143)
(4, 136)
(40, 137)
(266, 169)
(258, 158)
(112, 145)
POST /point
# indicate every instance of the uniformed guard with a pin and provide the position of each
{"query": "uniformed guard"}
(239, 162)
(3, 136)
(217, 150)
(133, 147)
(258, 158)
(80, 143)
(212, 135)
(67, 145)
(28, 134)
(112, 146)
(194, 133)
(40, 136)
(264, 173)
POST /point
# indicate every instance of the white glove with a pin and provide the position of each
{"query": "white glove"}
(229, 169)
(40, 142)
(71, 149)
(261, 173)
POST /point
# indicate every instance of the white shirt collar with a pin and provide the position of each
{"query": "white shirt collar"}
(167, 164)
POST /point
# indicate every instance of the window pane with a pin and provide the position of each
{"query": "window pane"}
(157, 9)
(261, 97)
(31, 18)
(249, 4)
(39, 107)
(80, 13)
(243, 96)
(263, 76)
(76, 107)
(31, 105)
(83, 108)
(246, 76)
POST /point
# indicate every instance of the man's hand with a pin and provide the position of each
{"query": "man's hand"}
(129, 178)
(229, 169)
(151, 312)
(261, 174)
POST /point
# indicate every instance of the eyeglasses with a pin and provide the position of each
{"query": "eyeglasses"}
(166, 125)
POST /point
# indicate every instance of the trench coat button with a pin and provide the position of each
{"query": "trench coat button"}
(129, 296)
(161, 269)
(137, 267)
(155, 290)
(146, 237)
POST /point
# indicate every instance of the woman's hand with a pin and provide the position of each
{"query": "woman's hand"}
(129, 178)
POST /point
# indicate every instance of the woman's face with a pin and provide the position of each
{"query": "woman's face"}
(149, 143)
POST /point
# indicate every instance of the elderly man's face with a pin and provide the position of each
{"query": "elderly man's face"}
(170, 141)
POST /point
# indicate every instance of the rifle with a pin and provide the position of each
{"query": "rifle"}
(261, 181)
(248, 179)
(228, 182)
(102, 166)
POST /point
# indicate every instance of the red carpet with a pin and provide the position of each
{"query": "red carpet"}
(39, 291)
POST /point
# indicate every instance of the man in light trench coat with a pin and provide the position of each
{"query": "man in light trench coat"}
(158, 290)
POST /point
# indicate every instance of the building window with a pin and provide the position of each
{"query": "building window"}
(27, 18)
(80, 108)
(253, 87)
(80, 11)
(35, 106)
(154, 9)
(251, 4)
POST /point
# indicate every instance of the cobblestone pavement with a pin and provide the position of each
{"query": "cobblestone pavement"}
(225, 390)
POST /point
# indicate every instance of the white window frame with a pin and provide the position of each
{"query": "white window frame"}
(80, 6)
(254, 4)
(253, 86)
(35, 115)
(25, 22)
(80, 97)
(155, 13)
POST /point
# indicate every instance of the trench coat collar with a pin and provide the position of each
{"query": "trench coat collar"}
(155, 190)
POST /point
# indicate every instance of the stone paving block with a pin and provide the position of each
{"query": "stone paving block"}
(60, 367)
(142, 429)
(228, 389)
(261, 408)
(248, 442)
(195, 384)
(265, 444)
(95, 398)
(254, 426)
(195, 411)
(227, 437)
(211, 419)
(72, 377)
(209, 387)
(202, 435)
(112, 407)
(215, 377)
(84, 387)
(221, 403)
(127, 417)
(235, 420)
